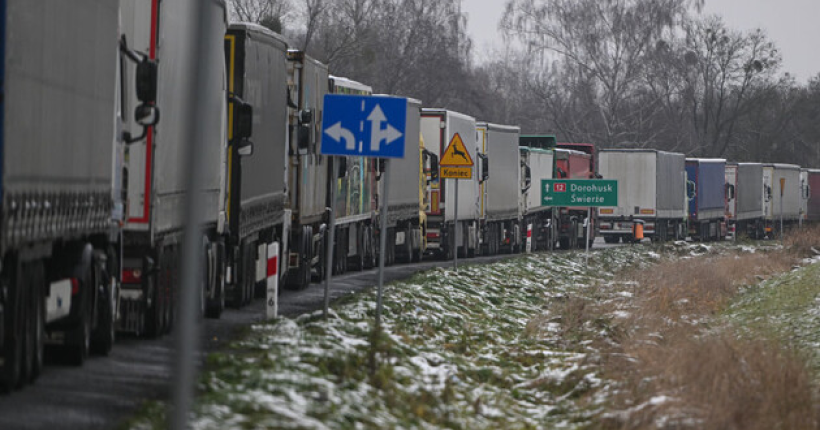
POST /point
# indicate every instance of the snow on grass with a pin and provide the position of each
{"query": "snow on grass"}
(473, 349)
(786, 307)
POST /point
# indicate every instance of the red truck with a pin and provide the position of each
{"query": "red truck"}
(571, 222)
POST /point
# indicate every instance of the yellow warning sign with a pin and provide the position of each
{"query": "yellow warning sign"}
(456, 154)
(457, 172)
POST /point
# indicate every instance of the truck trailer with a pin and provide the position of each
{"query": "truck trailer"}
(309, 170)
(652, 190)
(500, 211)
(155, 183)
(258, 212)
(409, 190)
(355, 199)
(782, 185)
(813, 192)
(571, 222)
(707, 208)
(59, 225)
(440, 127)
(746, 197)
(536, 165)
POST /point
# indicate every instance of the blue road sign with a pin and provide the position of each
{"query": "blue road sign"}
(364, 126)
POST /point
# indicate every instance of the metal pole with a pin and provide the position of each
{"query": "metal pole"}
(331, 242)
(781, 214)
(589, 226)
(187, 333)
(455, 228)
(382, 242)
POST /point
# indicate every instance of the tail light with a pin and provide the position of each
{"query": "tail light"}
(131, 276)
(75, 286)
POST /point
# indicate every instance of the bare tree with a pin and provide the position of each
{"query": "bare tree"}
(601, 48)
(266, 12)
(728, 70)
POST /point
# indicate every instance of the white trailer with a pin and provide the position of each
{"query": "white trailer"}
(651, 188)
(500, 187)
(747, 197)
(535, 165)
(156, 184)
(782, 182)
(438, 128)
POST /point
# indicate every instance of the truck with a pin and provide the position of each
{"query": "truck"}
(536, 164)
(409, 188)
(355, 199)
(499, 209)
(651, 189)
(813, 193)
(59, 222)
(804, 195)
(440, 128)
(745, 199)
(782, 188)
(155, 186)
(309, 170)
(571, 223)
(707, 208)
(258, 210)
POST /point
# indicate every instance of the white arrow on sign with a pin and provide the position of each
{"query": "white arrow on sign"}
(388, 135)
(337, 133)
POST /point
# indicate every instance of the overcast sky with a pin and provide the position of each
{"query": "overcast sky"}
(792, 24)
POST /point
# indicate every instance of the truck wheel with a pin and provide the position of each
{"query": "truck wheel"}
(14, 331)
(39, 318)
(563, 243)
(610, 239)
(102, 339)
(153, 311)
(407, 248)
(216, 304)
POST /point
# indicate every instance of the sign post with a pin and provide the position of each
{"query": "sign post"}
(782, 188)
(363, 126)
(456, 163)
(580, 192)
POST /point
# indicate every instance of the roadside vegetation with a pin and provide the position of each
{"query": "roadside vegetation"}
(683, 335)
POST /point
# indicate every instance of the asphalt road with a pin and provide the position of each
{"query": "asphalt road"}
(107, 390)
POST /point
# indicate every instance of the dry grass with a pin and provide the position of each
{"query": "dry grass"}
(676, 371)
(801, 241)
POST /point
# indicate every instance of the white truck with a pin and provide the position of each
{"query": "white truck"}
(783, 196)
(500, 212)
(745, 195)
(536, 164)
(651, 189)
(154, 182)
(60, 210)
(440, 127)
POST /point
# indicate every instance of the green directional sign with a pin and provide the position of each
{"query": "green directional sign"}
(579, 192)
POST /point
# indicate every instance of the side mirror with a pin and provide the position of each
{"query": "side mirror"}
(243, 120)
(306, 117)
(485, 167)
(561, 173)
(146, 115)
(434, 168)
(342, 172)
(691, 190)
(768, 192)
(730, 191)
(527, 178)
(146, 80)
(303, 138)
(244, 147)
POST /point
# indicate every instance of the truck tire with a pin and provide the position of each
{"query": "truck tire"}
(102, 339)
(153, 312)
(216, 304)
(407, 248)
(38, 278)
(14, 333)
(610, 239)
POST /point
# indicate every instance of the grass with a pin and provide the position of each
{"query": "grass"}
(537, 341)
